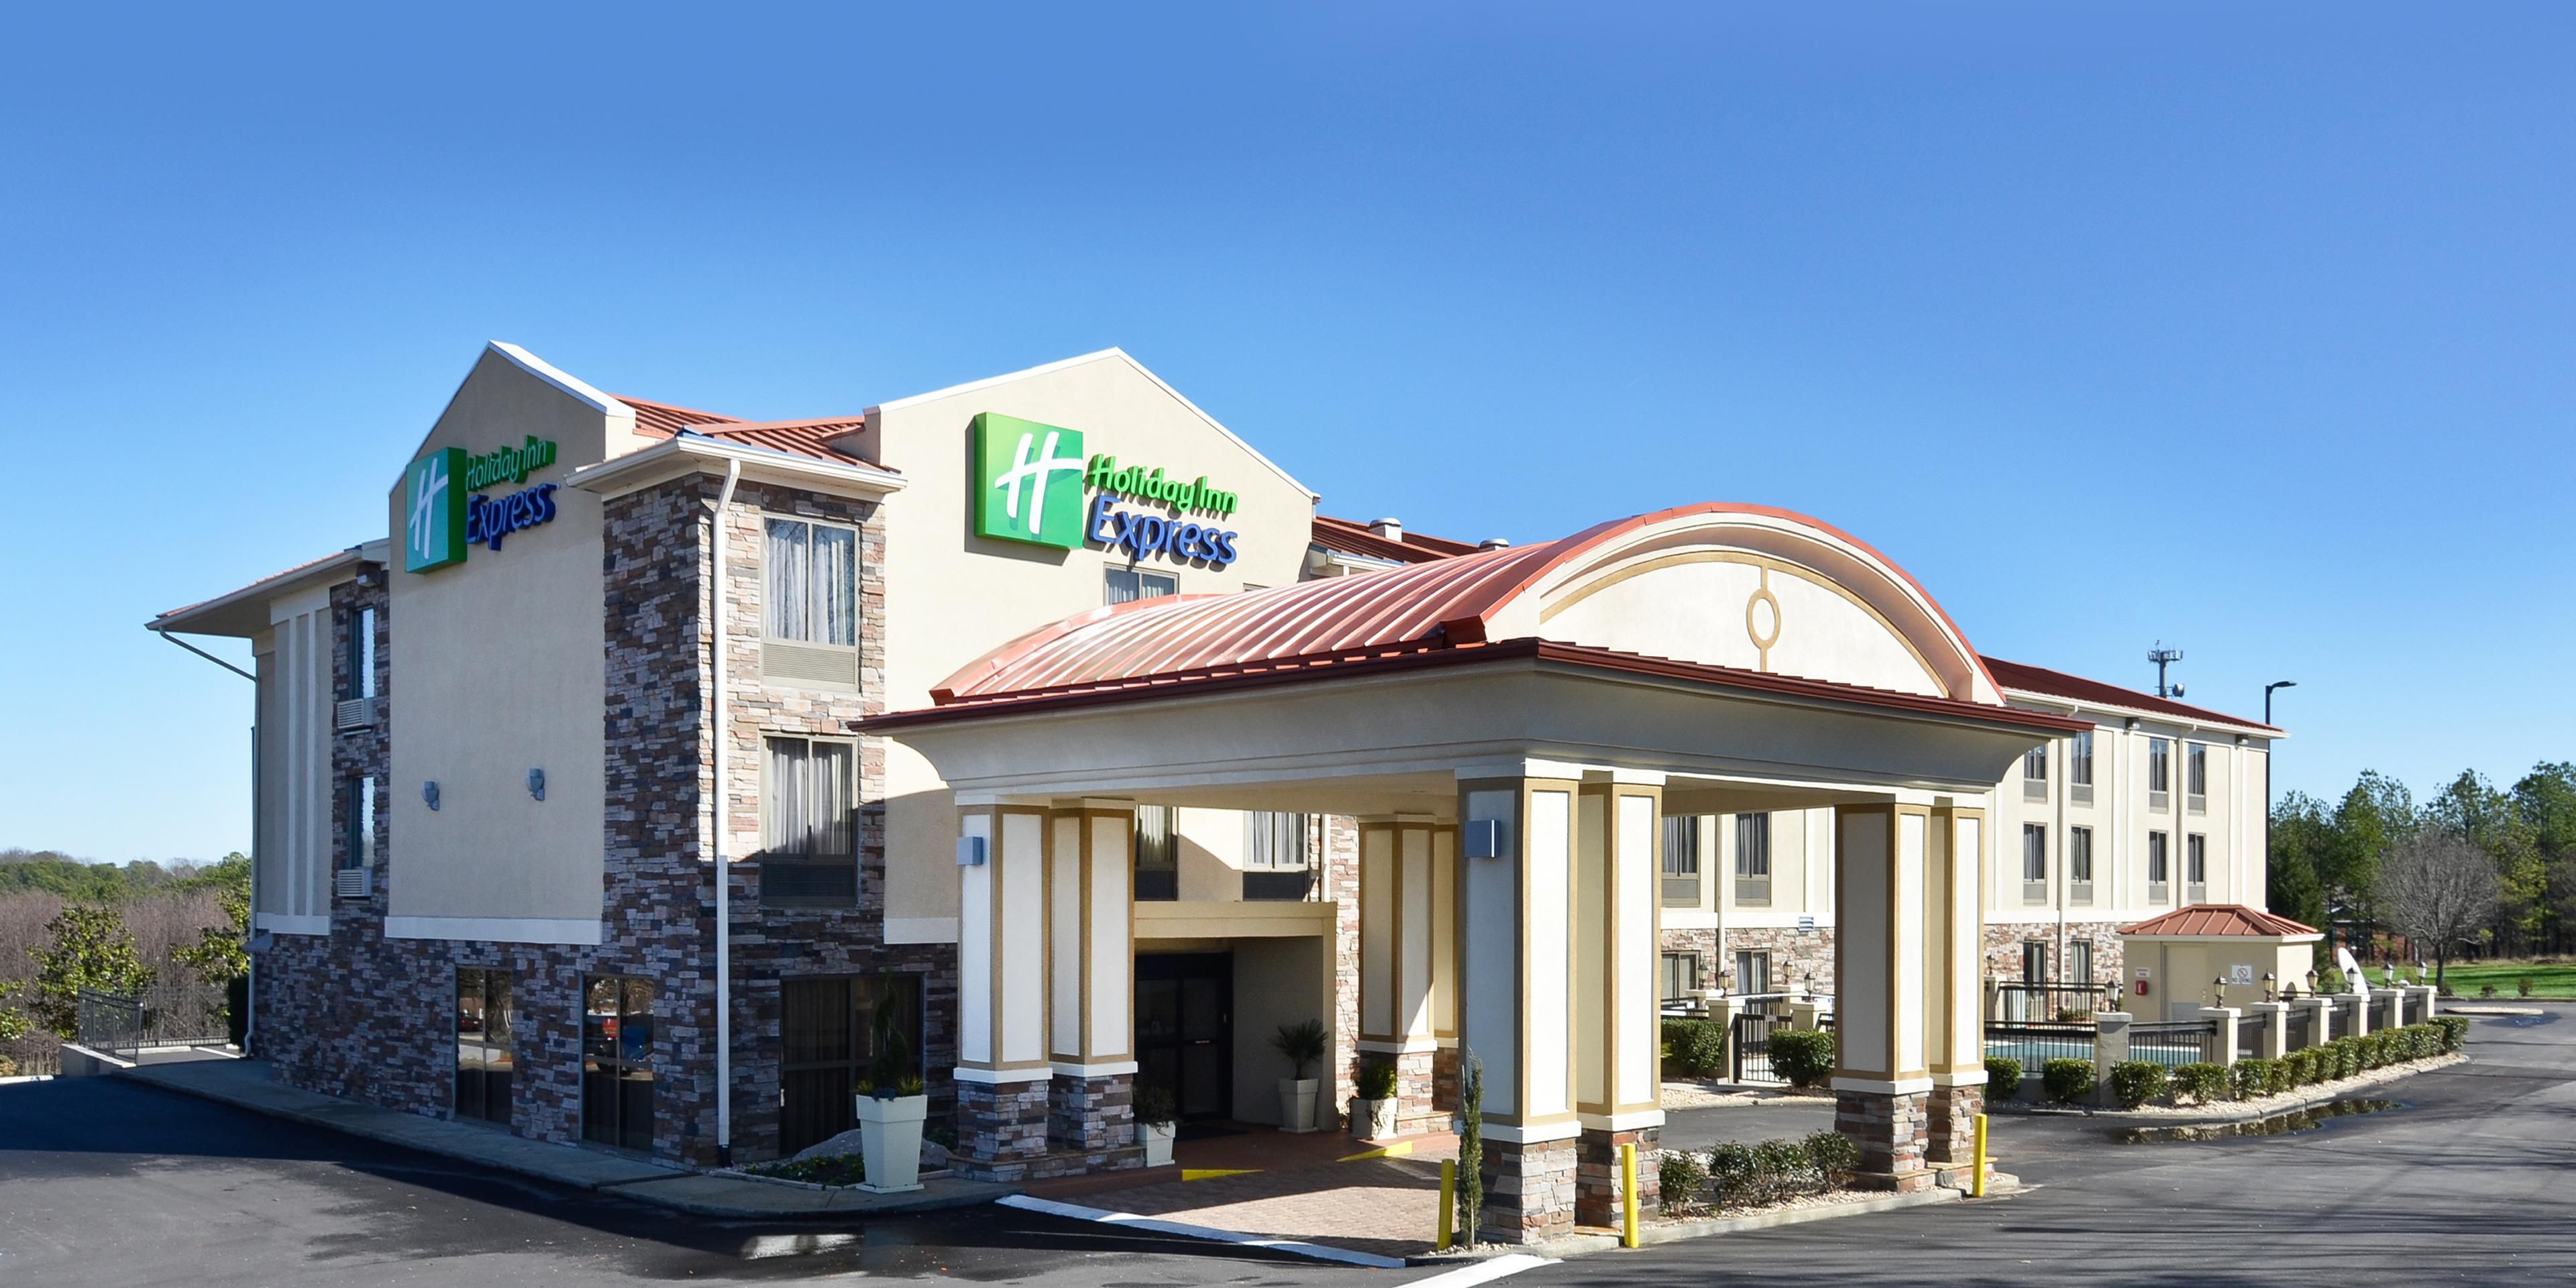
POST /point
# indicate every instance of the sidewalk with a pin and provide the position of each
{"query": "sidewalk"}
(246, 1084)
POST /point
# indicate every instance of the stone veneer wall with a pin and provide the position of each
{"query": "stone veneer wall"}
(1342, 885)
(2004, 941)
(1798, 957)
(353, 1014)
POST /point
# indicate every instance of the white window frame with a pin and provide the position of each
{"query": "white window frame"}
(1148, 585)
(806, 632)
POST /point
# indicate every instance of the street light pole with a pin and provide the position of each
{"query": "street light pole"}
(2267, 784)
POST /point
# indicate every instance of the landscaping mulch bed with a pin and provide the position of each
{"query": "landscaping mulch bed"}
(2261, 1107)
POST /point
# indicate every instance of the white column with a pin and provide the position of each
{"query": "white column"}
(1517, 922)
(1002, 948)
(1954, 934)
(1879, 947)
(1090, 937)
(1615, 941)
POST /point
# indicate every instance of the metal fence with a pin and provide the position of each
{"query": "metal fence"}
(2299, 1029)
(1752, 1046)
(2037, 1044)
(2024, 1002)
(2174, 1044)
(170, 1014)
(2250, 1030)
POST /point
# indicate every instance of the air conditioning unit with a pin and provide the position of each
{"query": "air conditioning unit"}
(351, 883)
(355, 713)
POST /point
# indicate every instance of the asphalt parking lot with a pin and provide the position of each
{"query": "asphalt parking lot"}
(106, 1181)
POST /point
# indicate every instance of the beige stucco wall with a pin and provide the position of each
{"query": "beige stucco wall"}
(952, 596)
(1697, 612)
(500, 668)
(2181, 971)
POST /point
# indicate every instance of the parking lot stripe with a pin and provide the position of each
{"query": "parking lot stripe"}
(1319, 1251)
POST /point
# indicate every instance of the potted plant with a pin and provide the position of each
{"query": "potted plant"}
(1157, 1122)
(891, 1110)
(1303, 1045)
(1373, 1109)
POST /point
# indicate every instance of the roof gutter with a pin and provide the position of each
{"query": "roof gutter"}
(688, 452)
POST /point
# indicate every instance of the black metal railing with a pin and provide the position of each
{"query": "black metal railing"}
(2025, 1002)
(2299, 1029)
(2035, 1044)
(2174, 1044)
(111, 1023)
(1752, 1046)
(2250, 1032)
(1289, 885)
(177, 1013)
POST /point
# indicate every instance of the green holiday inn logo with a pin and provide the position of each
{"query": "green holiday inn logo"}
(1030, 481)
(434, 510)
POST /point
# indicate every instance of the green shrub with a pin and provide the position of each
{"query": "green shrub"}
(2303, 1066)
(2347, 1056)
(2135, 1082)
(2067, 1080)
(2258, 1078)
(1834, 1155)
(1734, 1175)
(1683, 1180)
(2003, 1077)
(1377, 1080)
(2486, 990)
(1805, 1057)
(2200, 1083)
(2455, 1032)
(2522, 985)
(1698, 1047)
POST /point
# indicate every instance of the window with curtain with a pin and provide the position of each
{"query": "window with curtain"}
(1752, 972)
(2034, 853)
(1158, 854)
(358, 659)
(2195, 775)
(2079, 855)
(809, 821)
(2079, 962)
(2195, 864)
(1753, 847)
(2034, 764)
(1276, 859)
(1127, 584)
(357, 821)
(2158, 864)
(2079, 759)
(1680, 977)
(2159, 766)
(1681, 860)
(810, 582)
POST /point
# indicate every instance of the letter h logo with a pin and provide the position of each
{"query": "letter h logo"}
(433, 492)
(1021, 491)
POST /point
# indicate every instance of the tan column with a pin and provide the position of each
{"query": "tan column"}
(1400, 955)
(1002, 1070)
(1617, 1092)
(1954, 942)
(1516, 1012)
(1882, 1082)
(1091, 988)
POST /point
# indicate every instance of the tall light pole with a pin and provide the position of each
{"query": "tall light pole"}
(2267, 696)
(2267, 783)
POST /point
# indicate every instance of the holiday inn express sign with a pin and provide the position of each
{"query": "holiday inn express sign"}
(1030, 481)
(445, 513)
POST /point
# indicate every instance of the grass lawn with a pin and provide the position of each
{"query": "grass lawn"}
(2552, 978)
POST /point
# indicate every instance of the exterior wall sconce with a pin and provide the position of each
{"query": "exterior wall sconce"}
(429, 793)
(537, 783)
(970, 851)
(2312, 983)
(1481, 838)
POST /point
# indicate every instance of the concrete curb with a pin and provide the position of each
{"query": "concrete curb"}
(1581, 1245)
(2223, 1117)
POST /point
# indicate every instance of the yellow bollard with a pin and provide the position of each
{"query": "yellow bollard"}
(1628, 1196)
(1977, 1178)
(1448, 1199)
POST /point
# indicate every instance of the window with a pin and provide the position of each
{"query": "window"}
(2079, 768)
(1681, 861)
(811, 583)
(2195, 867)
(2079, 864)
(357, 822)
(2034, 863)
(358, 657)
(808, 817)
(1158, 854)
(1681, 977)
(2158, 865)
(1753, 971)
(2196, 778)
(2034, 961)
(2159, 772)
(617, 1061)
(2079, 962)
(1276, 855)
(831, 1032)
(1753, 858)
(1127, 584)
(485, 1065)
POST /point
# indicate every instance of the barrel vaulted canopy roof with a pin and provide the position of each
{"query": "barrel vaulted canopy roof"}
(1680, 585)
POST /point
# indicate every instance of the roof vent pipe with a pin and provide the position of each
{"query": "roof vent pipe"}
(1391, 529)
(1493, 543)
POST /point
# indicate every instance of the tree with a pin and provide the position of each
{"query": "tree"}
(2440, 890)
(1471, 1145)
(220, 955)
(2300, 838)
(2546, 800)
(2472, 808)
(90, 949)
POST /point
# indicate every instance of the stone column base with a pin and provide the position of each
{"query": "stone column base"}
(1951, 1127)
(1597, 1174)
(1890, 1129)
(1415, 1072)
(1001, 1128)
(1529, 1191)
(1091, 1115)
(1444, 1080)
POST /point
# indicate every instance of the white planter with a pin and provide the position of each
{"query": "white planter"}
(1297, 1103)
(1158, 1142)
(890, 1141)
(1372, 1119)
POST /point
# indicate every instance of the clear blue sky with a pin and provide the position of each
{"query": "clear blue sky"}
(2247, 327)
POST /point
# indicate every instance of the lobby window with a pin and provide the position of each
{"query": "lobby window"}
(617, 1061)
(1158, 854)
(2079, 864)
(2079, 769)
(1753, 858)
(810, 605)
(1753, 972)
(2034, 863)
(357, 810)
(808, 822)
(2159, 866)
(2159, 774)
(2034, 773)
(1127, 584)
(2195, 868)
(1681, 861)
(2195, 778)
(1277, 859)
(1680, 978)
(485, 1064)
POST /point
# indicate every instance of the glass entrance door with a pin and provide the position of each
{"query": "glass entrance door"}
(1185, 1029)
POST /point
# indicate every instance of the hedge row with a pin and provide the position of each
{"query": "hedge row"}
(2138, 1082)
(1739, 1175)
(1697, 1049)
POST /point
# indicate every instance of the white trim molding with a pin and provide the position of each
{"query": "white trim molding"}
(499, 930)
(289, 923)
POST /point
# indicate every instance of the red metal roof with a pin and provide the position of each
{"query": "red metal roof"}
(1355, 538)
(2058, 684)
(2233, 919)
(798, 437)
(1349, 663)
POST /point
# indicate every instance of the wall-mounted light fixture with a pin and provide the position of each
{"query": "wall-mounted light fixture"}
(429, 793)
(1481, 838)
(537, 783)
(970, 851)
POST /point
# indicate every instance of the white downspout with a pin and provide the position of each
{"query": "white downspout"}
(724, 875)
